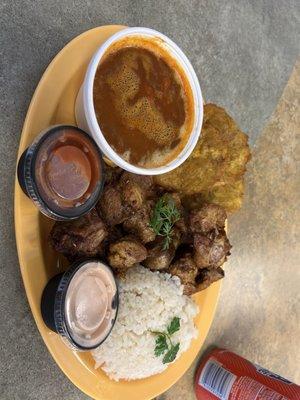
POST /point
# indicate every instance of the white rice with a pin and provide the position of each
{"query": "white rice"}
(148, 302)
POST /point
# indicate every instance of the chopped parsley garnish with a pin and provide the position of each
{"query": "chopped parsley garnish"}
(164, 216)
(164, 344)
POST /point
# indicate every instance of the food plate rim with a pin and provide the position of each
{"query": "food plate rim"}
(211, 299)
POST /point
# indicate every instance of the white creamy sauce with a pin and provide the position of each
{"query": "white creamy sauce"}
(89, 304)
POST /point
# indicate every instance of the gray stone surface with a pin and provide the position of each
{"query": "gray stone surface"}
(258, 315)
(243, 53)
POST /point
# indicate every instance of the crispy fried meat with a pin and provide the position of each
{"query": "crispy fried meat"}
(186, 269)
(207, 218)
(126, 252)
(211, 251)
(208, 276)
(157, 258)
(110, 206)
(83, 237)
(199, 244)
(138, 224)
(122, 198)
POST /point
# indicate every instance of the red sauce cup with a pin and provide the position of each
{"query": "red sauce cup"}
(62, 172)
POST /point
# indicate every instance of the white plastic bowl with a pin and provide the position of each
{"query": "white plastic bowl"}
(86, 116)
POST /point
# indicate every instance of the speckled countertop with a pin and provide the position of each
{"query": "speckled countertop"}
(258, 314)
(244, 53)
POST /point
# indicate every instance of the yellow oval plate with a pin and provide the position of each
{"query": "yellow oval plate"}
(53, 103)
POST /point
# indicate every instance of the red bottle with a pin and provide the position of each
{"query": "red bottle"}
(224, 375)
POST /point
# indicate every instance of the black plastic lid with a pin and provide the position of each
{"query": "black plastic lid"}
(53, 304)
(26, 178)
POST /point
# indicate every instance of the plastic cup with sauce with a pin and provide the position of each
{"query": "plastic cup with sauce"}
(85, 111)
(81, 304)
(62, 172)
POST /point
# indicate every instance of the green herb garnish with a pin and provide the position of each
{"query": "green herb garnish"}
(164, 216)
(174, 326)
(160, 345)
(164, 344)
(171, 354)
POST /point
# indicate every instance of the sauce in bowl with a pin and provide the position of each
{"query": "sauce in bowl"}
(90, 304)
(143, 102)
(81, 305)
(62, 171)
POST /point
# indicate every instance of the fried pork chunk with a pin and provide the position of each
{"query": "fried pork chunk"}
(138, 224)
(209, 248)
(208, 276)
(122, 199)
(133, 191)
(83, 237)
(157, 257)
(211, 251)
(111, 207)
(207, 218)
(186, 269)
(125, 253)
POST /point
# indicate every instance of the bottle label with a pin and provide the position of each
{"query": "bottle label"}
(226, 376)
(270, 374)
(217, 380)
